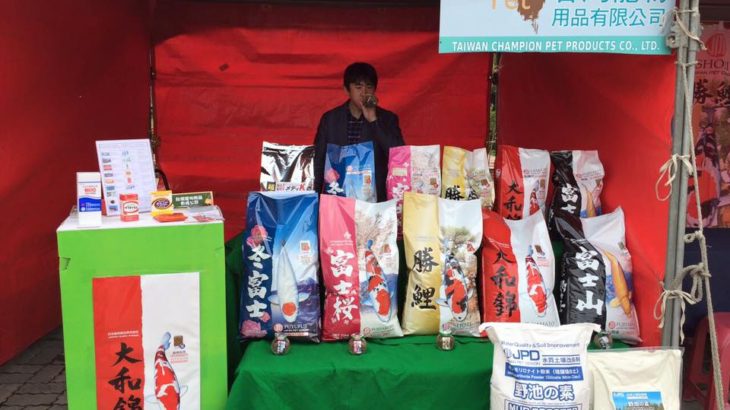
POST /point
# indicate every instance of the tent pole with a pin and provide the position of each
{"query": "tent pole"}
(675, 231)
(681, 145)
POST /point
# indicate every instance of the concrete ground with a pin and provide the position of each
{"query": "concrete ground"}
(36, 378)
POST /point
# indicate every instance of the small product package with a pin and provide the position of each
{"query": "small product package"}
(161, 203)
(287, 167)
(280, 289)
(522, 175)
(88, 198)
(359, 257)
(540, 367)
(349, 171)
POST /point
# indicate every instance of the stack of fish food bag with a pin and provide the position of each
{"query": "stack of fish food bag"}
(577, 183)
(280, 289)
(538, 367)
(359, 268)
(412, 168)
(518, 271)
(466, 176)
(349, 171)
(441, 238)
(287, 167)
(522, 181)
(596, 276)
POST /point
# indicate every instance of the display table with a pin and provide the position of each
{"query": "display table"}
(405, 373)
(148, 252)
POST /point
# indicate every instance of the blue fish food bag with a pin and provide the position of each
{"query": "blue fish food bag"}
(349, 171)
(280, 289)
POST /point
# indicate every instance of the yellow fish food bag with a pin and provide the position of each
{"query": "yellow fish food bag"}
(607, 234)
(460, 235)
(453, 174)
(423, 258)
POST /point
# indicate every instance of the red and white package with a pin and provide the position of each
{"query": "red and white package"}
(518, 271)
(522, 181)
(359, 257)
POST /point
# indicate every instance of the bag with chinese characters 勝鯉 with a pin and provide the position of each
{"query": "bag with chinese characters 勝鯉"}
(280, 289)
(466, 176)
(359, 257)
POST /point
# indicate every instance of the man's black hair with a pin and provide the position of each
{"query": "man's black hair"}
(356, 72)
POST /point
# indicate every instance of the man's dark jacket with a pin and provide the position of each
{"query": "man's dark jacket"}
(384, 132)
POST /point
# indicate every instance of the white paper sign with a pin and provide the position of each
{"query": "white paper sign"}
(126, 167)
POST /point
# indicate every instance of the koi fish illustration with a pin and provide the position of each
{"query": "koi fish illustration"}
(535, 284)
(534, 205)
(590, 206)
(377, 286)
(287, 295)
(457, 293)
(623, 295)
(167, 387)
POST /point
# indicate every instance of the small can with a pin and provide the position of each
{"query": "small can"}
(280, 345)
(445, 340)
(130, 207)
(358, 345)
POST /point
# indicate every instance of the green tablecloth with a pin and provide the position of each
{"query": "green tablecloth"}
(405, 373)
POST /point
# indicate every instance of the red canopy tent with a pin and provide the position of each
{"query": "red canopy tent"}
(230, 75)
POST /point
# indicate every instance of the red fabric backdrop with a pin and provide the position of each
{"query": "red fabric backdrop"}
(233, 75)
(70, 73)
(620, 105)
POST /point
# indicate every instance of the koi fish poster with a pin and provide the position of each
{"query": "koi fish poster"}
(280, 290)
(359, 268)
(711, 124)
(147, 341)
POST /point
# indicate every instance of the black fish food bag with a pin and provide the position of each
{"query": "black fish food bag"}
(581, 290)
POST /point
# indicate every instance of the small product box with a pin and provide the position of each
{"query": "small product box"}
(88, 198)
(162, 203)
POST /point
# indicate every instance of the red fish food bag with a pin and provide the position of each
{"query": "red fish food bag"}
(359, 267)
(460, 235)
(540, 367)
(287, 167)
(518, 271)
(412, 168)
(423, 258)
(522, 176)
(578, 182)
(466, 176)
(607, 234)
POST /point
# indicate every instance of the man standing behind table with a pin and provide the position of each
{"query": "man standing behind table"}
(358, 120)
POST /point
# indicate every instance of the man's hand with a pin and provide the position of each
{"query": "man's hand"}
(368, 112)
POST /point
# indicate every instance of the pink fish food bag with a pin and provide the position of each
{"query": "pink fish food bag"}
(412, 168)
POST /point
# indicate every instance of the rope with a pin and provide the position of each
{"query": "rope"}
(700, 272)
(669, 171)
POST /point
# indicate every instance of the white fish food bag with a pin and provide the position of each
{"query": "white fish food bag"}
(460, 236)
(636, 379)
(478, 178)
(607, 233)
(378, 266)
(535, 260)
(539, 367)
